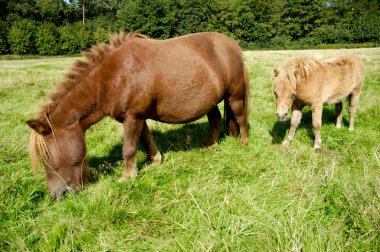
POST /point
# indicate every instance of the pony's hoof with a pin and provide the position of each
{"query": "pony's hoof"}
(317, 147)
(351, 129)
(286, 143)
(128, 175)
(338, 126)
(211, 145)
(156, 158)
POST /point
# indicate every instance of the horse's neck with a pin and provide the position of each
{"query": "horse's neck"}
(80, 105)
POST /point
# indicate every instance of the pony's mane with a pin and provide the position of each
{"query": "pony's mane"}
(38, 151)
(306, 66)
(81, 68)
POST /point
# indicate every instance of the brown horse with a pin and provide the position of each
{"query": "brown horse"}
(312, 82)
(132, 79)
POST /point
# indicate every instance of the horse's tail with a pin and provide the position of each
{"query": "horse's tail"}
(231, 126)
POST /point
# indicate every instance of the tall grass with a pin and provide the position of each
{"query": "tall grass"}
(262, 197)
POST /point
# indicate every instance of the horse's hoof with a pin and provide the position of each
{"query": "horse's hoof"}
(211, 145)
(128, 175)
(338, 126)
(351, 129)
(156, 158)
(286, 143)
(317, 147)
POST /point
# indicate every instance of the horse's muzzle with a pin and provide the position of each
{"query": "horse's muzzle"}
(61, 192)
(282, 117)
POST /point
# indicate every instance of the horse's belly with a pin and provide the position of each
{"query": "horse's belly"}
(182, 113)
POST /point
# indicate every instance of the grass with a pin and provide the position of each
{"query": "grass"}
(262, 197)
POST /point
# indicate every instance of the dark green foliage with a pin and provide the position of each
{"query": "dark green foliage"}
(22, 37)
(74, 38)
(330, 34)
(47, 39)
(273, 24)
(367, 29)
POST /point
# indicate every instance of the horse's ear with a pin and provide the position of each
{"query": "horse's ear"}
(275, 72)
(296, 74)
(40, 127)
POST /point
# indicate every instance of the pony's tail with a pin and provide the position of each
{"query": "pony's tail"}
(231, 126)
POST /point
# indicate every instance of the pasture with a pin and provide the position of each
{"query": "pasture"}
(263, 196)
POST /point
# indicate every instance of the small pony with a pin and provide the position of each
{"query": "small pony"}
(312, 82)
(132, 79)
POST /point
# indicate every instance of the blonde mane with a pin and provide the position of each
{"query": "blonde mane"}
(38, 151)
(306, 66)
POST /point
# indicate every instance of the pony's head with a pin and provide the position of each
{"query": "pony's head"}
(62, 152)
(284, 88)
(287, 78)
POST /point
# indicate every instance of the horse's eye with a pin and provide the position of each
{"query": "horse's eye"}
(293, 95)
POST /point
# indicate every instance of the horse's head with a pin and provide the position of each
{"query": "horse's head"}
(62, 152)
(284, 87)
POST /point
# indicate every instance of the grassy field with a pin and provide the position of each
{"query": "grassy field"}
(263, 197)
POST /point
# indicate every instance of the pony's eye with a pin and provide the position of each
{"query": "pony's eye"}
(293, 95)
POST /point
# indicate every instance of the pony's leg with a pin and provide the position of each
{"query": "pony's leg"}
(149, 145)
(338, 110)
(317, 123)
(132, 130)
(214, 118)
(237, 107)
(294, 122)
(353, 101)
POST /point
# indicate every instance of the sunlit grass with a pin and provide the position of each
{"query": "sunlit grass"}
(262, 197)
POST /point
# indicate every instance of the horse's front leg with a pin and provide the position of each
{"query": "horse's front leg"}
(317, 123)
(149, 145)
(132, 131)
(294, 122)
(214, 119)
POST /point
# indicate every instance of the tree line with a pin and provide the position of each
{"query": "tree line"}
(53, 27)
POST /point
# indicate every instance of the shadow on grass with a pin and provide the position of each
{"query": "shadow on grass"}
(189, 136)
(278, 131)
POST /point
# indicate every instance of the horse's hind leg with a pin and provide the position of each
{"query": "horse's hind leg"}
(214, 118)
(353, 101)
(240, 113)
(132, 130)
(338, 110)
(149, 145)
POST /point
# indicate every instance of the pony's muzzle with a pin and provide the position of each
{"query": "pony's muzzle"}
(282, 117)
(61, 191)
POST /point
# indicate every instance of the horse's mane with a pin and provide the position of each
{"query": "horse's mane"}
(306, 66)
(81, 68)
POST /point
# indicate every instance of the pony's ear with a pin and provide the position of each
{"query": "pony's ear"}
(296, 74)
(40, 127)
(276, 72)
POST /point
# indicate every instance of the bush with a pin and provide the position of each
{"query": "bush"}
(47, 39)
(74, 38)
(4, 47)
(367, 29)
(100, 35)
(280, 42)
(22, 37)
(329, 34)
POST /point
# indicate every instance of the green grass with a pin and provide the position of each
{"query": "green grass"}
(262, 197)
